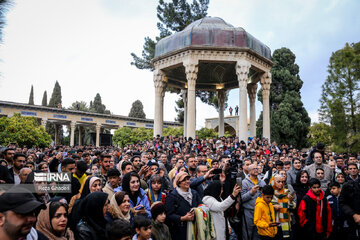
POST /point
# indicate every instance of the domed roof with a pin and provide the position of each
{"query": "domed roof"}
(211, 32)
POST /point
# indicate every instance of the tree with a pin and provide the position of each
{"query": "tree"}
(173, 17)
(56, 98)
(289, 119)
(80, 106)
(204, 133)
(25, 131)
(55, 101)
(340, 98)
(97, 106)
(31, 97)
(137, 110)
(44, 99)
(4, 6)
(179, 108)
(320, 132)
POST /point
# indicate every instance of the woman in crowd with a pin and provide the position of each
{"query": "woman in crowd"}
(92, 225)
(178, 205)
(155, 191)
(43, 167)
(340, 178)
(119, 208)
(217, 206)
(139, 202)
(52, 222)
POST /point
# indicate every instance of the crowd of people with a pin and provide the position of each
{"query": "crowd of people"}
(178, 188)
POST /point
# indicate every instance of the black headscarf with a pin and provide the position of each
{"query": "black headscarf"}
(92, 211)
(126, 186)
(213, 190)
(299, 188)
(86, 188)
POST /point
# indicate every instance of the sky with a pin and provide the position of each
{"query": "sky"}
(85, 45)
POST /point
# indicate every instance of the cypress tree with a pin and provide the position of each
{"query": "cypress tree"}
(97, 106)
(44, 99)
(289, 120)
(137, 110)
(31, 97)
(55, 96)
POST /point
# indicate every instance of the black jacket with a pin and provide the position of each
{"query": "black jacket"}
(350, 200)
(5, 175)
(85, 232)
(176, 207)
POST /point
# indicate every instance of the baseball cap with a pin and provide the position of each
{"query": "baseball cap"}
(19, 200)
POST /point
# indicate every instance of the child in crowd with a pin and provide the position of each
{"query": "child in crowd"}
(315, 213)
(336, 212)
(159, 230)
(120, 229)
(142, 227)
(264, 215)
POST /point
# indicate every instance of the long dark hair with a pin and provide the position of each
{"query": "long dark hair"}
(213, 190)
(126, 186)
(53, 207)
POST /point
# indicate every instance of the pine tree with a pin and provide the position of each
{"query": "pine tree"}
(179, 108)
(340, 98)
(31, 97)
(289, 120)
(4, 6)
(44, 99)
(137, 110)
(56, 98)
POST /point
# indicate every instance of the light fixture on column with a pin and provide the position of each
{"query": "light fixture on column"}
(220, 86)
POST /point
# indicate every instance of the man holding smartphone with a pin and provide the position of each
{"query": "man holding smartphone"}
(251, 186)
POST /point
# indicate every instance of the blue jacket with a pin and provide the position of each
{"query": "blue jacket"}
(176, 207)
(196, 184)
(142, 199)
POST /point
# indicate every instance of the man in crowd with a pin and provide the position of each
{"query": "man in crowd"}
(18, 214)
(104, 168)
(24, 173)
(191, 164)
(353, 172)
(19, 162)
(318, 163)
(113, 182)
(201, 180)
(9, 156)
(251, 190)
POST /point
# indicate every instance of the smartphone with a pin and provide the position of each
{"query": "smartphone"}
(139, 207)
(217, 171)
(239, 181)
(191, 210)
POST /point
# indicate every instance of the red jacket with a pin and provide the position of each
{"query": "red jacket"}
(304, 210)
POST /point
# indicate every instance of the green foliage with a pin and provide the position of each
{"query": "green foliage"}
(204, 133)
(126, 135)
(80, 106)
(320, 132)
(177, 132)
(173, 16)
(97, 106)
(179, 108)
(56, 98)
(31, 97)
(25, 131)
(137, 110)
(44, 99)
(289, 119)
(340, 98)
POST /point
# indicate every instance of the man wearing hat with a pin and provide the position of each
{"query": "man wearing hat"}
(18, 213)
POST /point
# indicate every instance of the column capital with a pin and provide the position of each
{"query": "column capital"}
(265, 81)
(242, 69)
(191, 71)
(72, 124)
(252, 90)
(159, 81)
(98, 126)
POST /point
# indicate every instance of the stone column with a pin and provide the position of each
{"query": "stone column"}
(43, 122)
(252, 90)
(80, 139)
(72, 133)
(242, 72)
(98, 127)
(56, 127)
(191, 70)
(265, 88)
(159, 85)
(184, 97)
(221, 100)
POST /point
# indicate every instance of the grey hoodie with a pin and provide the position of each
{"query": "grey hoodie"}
(248, 200)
